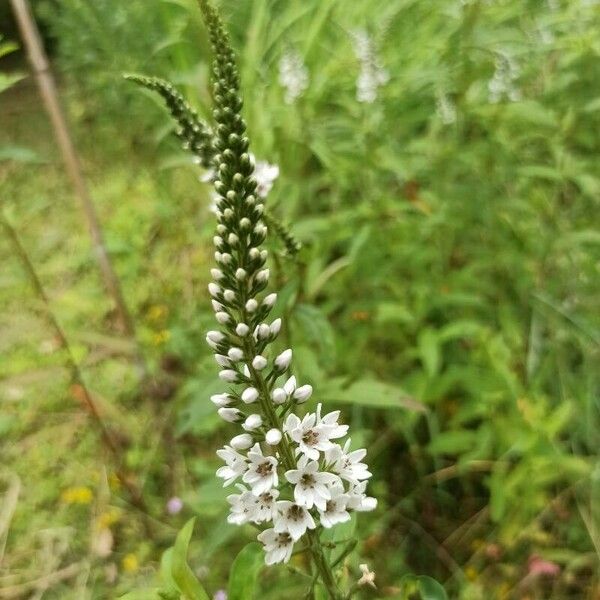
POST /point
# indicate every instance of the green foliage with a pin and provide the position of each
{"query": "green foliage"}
(426, 587)
(175, 567)
(445, 297)
(244, 572)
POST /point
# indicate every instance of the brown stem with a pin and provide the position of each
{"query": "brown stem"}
(47, 87)
(76, 376)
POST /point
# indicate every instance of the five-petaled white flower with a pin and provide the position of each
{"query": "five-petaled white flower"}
(243, 506)
(311, 486)
(293, 518)
(346, 464)
(311, 433)
(278, 545)
(235, 465)
(358, 499)
(265, 506)
(262, 471)
(335, 509)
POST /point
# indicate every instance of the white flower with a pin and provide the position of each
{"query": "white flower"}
(310, 436)
(265, 506)
(262, 471)
(243, 506)
(236, 465)
(293, 518)
(346, 464)
(265, 175)
(368, 577)
(330, 421)
(358, 499)
(311, 486)
(278, 546)
(372, 74)
(335, 509)
(502, 84)
(293, 75)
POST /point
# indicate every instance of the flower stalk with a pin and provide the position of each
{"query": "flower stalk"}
(294, 480)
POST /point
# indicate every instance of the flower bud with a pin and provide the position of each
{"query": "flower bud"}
(250, 395)
(222, 317)
(233, 239)
(275, 327)
(242, 329)
(270, 300)
(229, 295)
(259, 362)
(263, 275)
(232, 415)
(242, 441)
(263, 331)
(214, 289)
(252, 422)
(226, 258)
(273, 437)
(222, 361)
(279, 396)
(217, 306)
(229, 375)
(240, 274)
(221, 400)
(217, 274)
(282, 362)
(303, 393)
(218, 241)
(290, 385)
(251, 305)
(235, 354)
(214, 338)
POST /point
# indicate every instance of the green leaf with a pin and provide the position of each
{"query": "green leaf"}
(453, 442)
(371, 393)
(244, 572)
(429, 351)
(430, 589)
(183, 576)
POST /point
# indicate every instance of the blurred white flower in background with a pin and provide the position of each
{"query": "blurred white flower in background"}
(502, 85)
(293, 75)
(445, 108)
(372, 74)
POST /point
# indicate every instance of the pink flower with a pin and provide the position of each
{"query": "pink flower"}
(539, 566)
(174, 505)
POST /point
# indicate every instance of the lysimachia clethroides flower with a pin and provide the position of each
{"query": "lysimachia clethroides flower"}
(292, 472)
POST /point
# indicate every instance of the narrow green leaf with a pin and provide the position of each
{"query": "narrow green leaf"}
(430, 589)
(244, 572)
(184, 578)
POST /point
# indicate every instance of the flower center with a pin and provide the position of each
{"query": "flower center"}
(295, 513)
(308, 481)
(283, 539)
(266, 499)
(311, 437)
(331, 506)
(264, 469)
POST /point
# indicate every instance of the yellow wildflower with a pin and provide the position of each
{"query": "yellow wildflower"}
(77, 495)
(130, 563)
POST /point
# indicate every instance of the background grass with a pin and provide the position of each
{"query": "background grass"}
(446, 297)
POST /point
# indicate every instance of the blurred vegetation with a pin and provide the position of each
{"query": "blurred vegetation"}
(446, 296)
